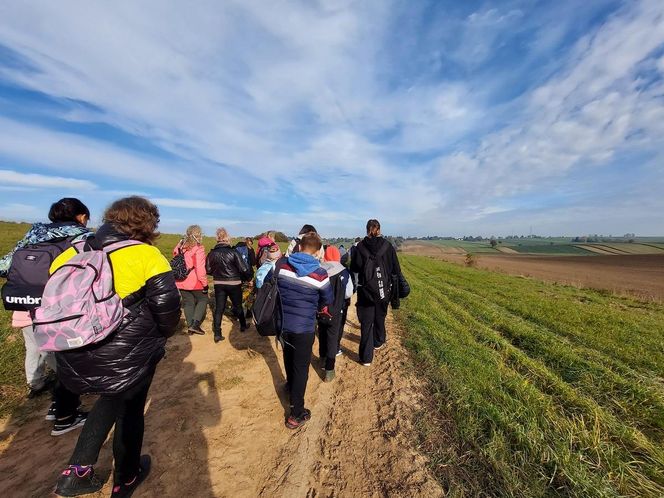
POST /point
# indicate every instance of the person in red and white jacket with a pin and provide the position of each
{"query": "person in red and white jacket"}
(194, 288)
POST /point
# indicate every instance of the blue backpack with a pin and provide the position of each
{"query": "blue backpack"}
(244, 252)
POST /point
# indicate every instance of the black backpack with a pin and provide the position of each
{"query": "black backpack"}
(29, 273)
(376, 283)
(179, 266)
(266, 311)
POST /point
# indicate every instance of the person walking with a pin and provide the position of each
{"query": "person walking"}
(330, 328)
(228, 271)
(294, 244)
(194, 288)
(375, 261)
(305, 290)
(121, 367)
(69, 218)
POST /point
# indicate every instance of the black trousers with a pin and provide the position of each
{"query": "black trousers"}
(125, 410)
(344, 318)
(66, 403)
(297, 356)
(372, 328)
(329, 337)
(221, 292)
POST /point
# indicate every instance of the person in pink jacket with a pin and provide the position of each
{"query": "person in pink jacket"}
(194, 288)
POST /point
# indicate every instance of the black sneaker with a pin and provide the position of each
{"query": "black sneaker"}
(34, 393)
(60, 428)
(196, 329)
(76, 480)
(121, 490)
(50, 414)
(218, 337)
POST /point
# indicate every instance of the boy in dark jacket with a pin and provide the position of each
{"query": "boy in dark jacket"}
(305, 290)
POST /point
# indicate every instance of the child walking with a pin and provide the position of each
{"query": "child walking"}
(330, 328)
(305, 289)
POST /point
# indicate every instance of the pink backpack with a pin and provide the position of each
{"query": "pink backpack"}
(79, 305)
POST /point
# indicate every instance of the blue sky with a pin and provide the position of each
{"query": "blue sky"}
(438, 117)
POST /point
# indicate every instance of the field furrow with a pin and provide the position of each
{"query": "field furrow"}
(549, 412)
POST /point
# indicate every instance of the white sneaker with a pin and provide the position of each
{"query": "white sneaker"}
(340, 352)
(366, 364)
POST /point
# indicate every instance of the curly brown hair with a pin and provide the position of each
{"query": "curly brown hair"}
(134, 216)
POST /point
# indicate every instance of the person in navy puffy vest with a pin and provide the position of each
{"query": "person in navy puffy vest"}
(305, 291)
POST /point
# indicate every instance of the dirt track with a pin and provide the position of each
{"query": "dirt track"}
(639, 275)
(214, 427)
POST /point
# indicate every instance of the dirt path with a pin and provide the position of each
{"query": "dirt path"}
(214, 427)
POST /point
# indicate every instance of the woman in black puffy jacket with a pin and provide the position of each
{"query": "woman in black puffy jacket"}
(121, 367)
(228, 271)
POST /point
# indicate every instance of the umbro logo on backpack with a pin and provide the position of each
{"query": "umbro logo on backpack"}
(27, 300)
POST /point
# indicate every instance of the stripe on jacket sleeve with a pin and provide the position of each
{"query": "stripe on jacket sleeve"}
(291, 275)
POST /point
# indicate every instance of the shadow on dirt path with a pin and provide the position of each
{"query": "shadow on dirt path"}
(215, 427)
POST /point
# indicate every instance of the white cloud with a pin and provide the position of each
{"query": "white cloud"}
(580, 119)
(44, 181)
(306, 101)
(189, 203)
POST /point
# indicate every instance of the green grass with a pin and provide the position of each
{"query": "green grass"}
(552, 390)
(554, 249)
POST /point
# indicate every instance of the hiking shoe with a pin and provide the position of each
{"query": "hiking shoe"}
(339, 353)
(125, 490)
(243, 328)
(295, 422)
(34, 393)
(76, 480)
(60, 428)
(329, 375)
(218, 337)
(50, 414)
(195, 328)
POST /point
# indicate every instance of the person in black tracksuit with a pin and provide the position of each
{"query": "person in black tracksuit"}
(228, 271)
(330, 328)
(370, 313)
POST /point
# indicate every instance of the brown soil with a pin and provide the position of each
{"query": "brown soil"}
(638, 275)
(215, 427)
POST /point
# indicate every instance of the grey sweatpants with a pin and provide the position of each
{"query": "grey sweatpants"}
(35, 360)
(194, 304)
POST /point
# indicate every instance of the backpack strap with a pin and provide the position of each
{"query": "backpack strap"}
(115, 246)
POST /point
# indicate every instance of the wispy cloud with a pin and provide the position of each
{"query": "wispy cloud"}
(44, 181)
(189, 203)
(432, 116)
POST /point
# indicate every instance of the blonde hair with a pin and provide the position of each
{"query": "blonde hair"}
(192, 237)
(222, 236)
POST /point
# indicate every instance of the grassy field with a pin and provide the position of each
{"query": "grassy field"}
(556, 246)
(546, 390)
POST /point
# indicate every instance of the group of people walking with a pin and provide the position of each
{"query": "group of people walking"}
(315, 285)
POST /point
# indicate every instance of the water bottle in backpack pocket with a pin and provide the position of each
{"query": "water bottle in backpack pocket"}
(79, 303)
